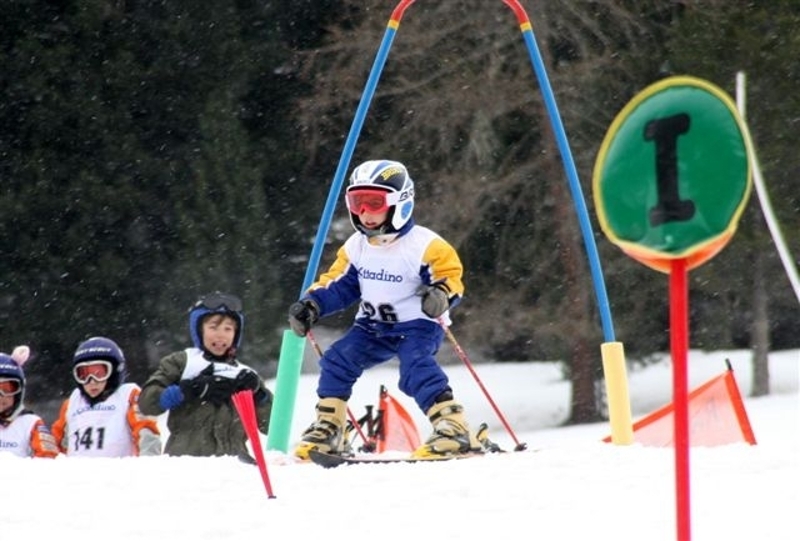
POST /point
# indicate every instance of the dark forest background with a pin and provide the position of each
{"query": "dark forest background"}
(152, 151)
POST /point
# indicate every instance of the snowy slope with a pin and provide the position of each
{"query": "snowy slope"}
(573, 487)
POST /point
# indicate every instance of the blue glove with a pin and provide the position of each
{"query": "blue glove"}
(171, 397)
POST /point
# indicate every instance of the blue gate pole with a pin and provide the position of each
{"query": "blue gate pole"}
(612, 352)
(569, 166)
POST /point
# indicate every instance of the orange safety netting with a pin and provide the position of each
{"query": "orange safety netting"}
(398, 433)
(716, 417)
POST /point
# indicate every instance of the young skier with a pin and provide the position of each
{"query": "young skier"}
(195, 384)
(22, 432)
(101, 417)
(406, 278)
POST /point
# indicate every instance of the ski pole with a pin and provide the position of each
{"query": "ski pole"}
(463, 356)
(350, 415)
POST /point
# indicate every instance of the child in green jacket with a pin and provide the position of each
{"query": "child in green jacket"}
(195, 385)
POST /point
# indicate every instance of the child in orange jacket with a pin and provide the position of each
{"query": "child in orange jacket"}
(22, 432)
(101, 417)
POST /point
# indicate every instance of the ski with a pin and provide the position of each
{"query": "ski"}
(327, 460)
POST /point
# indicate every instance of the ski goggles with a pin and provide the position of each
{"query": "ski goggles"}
(372, 201)
(92, 370)
(219, 301)
(10, 386)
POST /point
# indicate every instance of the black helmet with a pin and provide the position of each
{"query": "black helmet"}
(100, 348)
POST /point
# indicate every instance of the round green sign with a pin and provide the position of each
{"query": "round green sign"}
(673, 173)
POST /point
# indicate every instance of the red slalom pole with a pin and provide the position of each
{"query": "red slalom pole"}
(679, 344)
(463, 356)
(245, 406)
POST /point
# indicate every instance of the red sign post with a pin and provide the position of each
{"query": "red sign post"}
(670, 182)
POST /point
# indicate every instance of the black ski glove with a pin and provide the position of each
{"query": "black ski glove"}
(247, 380)
(302, 316)
(206, 387)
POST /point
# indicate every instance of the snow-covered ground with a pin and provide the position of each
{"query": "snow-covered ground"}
(568, 485)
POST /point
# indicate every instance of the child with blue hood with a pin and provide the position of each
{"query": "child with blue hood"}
(195, 385)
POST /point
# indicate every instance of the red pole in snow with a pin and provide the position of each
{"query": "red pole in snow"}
(463, 356)
(679, 343)
(245, 406)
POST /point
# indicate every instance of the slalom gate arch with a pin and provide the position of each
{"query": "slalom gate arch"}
(292, 348)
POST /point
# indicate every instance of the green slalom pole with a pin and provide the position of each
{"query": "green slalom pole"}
(290, 362)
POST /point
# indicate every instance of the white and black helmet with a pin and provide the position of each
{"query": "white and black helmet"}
(393, 189)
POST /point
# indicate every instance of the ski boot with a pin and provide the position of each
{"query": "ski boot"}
(327, 433)
(451, 435)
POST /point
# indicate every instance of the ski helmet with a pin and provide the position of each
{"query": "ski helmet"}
(215, 303)
(100, 348)
(381, 185)
(9, 369)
